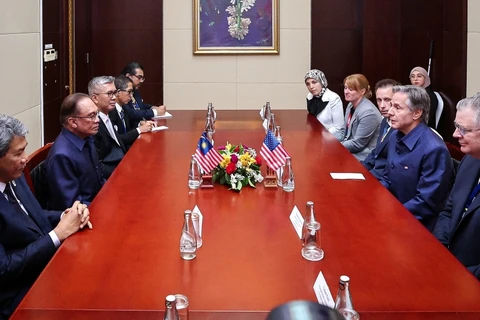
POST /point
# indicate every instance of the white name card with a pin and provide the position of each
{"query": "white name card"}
(297, 221)
(200, 219)
(347, 176)
(322, 291)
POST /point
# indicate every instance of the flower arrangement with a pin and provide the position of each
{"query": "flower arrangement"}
(240, 167)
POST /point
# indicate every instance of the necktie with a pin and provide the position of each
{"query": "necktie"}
(385, 131)
(12, 199)
(93, 155)
(122, 118)
(471, 197)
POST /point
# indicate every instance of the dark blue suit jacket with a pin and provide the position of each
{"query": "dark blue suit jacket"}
(418, 172)
(71, 172)
(462, 235)
(25, 246)
(140, 111)
(377, 159)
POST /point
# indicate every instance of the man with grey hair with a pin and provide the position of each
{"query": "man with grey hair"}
(458, 225)
(29, 235)
(419, 165)
(109, 145)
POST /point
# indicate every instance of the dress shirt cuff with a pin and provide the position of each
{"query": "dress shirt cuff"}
(138, 130)
(154, 112)
(54, 238)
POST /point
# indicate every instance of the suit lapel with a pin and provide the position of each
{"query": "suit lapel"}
(32, 220)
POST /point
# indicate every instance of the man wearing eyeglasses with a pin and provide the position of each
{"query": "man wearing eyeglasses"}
(29, 235)
(137, 109)
(126, 127)
(73, 170)
(419, 165)
(458, 225)
(110, 147)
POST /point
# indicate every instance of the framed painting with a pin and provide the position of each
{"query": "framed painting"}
(236, 27)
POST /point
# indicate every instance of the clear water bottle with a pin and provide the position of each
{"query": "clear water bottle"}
(271, 123)
(278, 134)
(309, 216)
(311, 242)
(288, 178)
(344, 303)
(188, 241)
(194, 174)
(268, 110)
(170, 308)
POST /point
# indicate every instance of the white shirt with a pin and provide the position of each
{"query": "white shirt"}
(109, 125)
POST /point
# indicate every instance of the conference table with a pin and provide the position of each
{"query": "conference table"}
(251, 258)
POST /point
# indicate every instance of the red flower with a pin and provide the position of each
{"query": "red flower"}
(231, 167)
(236, 149)
(258, 160)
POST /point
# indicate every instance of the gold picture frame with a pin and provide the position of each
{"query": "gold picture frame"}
(236, 27)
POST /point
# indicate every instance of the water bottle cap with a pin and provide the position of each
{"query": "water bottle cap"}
(309, 203)
(344, 278)
(170, 298)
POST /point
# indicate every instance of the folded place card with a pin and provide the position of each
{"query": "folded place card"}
(347, 176)
(324, 296)
(297, 221)
(167, 115)
(200, 219)
(159, 128)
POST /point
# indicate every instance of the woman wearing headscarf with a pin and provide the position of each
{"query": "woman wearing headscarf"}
(362, 118)
(324, 104)
(419, 77)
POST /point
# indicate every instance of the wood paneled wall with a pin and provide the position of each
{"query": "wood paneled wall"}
(387, 38)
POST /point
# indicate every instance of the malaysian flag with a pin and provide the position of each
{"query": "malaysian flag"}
(273, 152)
(208, 158)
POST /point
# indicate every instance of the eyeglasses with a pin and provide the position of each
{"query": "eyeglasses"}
(91, 116)
(139, 77)
(463, 131)
(111, 94)
(127, 91)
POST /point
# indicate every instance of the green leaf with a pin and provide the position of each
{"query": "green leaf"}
(227, 177)
(239, 185)
(250, 183)
(222, 180)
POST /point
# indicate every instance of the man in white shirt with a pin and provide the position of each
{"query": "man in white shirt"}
(110, 147)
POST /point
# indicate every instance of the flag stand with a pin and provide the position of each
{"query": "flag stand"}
(207, 181)
(270, 180)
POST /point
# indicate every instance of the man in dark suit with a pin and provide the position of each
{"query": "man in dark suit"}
(29, 236)
(458, 225)
(419, 165)
(126, 127)
(110, 147)
(137, 109)
(377, 159)
(72, 167)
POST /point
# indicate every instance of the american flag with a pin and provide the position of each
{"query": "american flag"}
(273, 152)
(208, 158)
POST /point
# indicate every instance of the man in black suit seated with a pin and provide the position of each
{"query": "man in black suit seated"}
(110, 147)
(377, 159)
(126, 127)
(137, 109)
(29, 235)
(458, 225)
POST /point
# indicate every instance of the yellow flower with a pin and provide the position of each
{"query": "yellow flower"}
(226, 160)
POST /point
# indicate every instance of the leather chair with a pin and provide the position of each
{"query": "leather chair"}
(35, 174)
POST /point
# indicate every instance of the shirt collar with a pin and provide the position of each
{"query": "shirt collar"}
(118, 107)
(77, 141)
(411, 138)
(3, 185)
(103, 116)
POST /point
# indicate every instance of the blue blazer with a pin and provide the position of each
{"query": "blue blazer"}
(461, 235)
(377, 159)
(25, 246)
(418, 172)
(140, 111)
(71, 172)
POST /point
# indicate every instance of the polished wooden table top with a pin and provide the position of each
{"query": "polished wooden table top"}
(251, 256)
